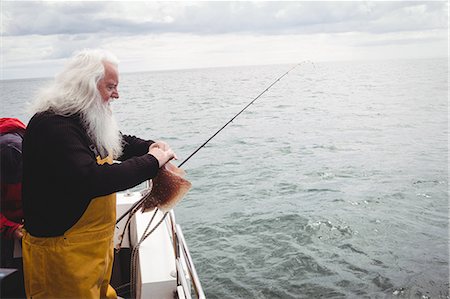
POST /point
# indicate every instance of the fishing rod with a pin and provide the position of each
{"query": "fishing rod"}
(136, 205)
(231, 120)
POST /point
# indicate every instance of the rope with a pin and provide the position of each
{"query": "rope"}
(135, 250)
(127, 224)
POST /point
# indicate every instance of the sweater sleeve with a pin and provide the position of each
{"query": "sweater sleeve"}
(75, 167)
(133, 147)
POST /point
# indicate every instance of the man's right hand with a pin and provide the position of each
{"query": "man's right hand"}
(162, 152)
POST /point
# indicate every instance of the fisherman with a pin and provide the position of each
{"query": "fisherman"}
(11, 214)
(70, 180)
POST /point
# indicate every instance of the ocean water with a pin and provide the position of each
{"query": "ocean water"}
(334, 184)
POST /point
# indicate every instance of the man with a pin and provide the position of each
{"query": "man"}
(11, 214)
(69, 181)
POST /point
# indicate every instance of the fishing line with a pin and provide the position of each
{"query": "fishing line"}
(138, 203)
(134, 208)
(231, 120)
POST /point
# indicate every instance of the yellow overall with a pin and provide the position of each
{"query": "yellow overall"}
(78, 264)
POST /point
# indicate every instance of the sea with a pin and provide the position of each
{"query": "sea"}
(332, 184)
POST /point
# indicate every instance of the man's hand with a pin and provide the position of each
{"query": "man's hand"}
(162, 152)
(18, 234)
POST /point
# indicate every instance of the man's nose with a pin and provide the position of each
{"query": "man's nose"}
(115, 94)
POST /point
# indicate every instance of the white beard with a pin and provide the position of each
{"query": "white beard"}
(102, 128)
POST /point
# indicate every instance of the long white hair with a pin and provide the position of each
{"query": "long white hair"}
(75, 91)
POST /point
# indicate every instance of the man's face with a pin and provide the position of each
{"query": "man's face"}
(108, 85)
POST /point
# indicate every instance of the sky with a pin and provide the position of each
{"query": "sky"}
(37, 37)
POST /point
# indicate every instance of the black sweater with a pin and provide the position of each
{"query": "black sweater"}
(61, 175)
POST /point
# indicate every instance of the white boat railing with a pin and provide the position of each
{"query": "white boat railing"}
(183, 256)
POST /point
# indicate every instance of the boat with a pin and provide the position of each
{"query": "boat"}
(163, 267)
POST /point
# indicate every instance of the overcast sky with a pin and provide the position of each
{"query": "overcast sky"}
(37, 37)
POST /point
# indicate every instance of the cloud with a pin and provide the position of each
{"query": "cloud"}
(294, 17)
(149, 35)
